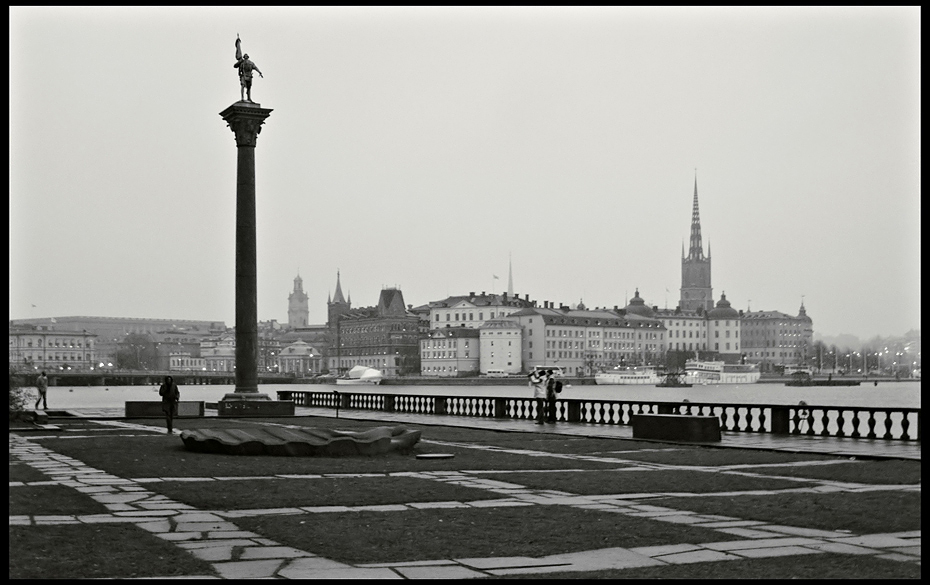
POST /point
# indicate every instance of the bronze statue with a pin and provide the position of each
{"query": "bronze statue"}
(245, 68)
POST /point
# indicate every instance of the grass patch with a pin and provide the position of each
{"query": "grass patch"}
(711, 456)
(890, 472)
(285, 493)
(816, 566)
(20, 471)
(165, 456)
(97, 551)
(416, 535)
(860, 513)
(41, 500)
(644, 481)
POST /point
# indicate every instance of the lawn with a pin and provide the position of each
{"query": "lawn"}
(283, 493)
(860, 513)
(96, 551)
(416, 535)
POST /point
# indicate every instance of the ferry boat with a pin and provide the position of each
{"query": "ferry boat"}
(361, 375)
(792, 370)
(628, 375)
(713, 372)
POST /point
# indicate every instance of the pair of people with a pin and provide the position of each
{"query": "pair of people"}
(170, 395)
(545, 389)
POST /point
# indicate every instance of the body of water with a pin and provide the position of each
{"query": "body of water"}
(904, 394)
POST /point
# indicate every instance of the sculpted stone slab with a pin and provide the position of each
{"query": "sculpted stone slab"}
(304, 442)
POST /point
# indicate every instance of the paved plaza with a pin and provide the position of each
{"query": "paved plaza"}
(216, 537)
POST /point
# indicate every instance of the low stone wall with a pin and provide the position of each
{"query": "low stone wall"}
(186, 409)
(676, 427)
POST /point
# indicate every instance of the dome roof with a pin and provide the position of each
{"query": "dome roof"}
(638, 306)
(723, 310)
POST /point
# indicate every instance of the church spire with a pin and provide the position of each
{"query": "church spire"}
(696, 252)
(510, 280)
(337, 297)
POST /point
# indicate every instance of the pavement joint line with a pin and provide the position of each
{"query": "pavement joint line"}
(780, 544)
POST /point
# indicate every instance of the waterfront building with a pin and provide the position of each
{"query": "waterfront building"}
(501, 346)
(773, 338)
(110, 331)
(450, 352)
(298, 311)
(384, 337)
(584, 341)
(219, 353)
(299, 358)
(37, 348)
(472, 310)
(183, 361)
(723, 331)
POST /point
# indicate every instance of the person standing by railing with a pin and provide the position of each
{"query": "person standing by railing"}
(538, 380)
(42, 387)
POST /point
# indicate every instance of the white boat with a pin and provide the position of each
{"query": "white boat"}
(361, 375)
(792, 370)
(712, 372)
(628, 375)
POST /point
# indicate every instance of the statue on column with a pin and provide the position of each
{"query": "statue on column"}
(245, 68)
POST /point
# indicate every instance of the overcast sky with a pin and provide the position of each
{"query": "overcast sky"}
(425, 147)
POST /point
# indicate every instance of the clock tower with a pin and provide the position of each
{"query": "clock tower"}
(696, 291)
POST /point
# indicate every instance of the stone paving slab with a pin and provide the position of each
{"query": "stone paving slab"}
(698, 556)
(440, 572)
(248, 569)
(778, 551)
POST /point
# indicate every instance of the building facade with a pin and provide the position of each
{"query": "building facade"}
(384, 337)
(773, 339)
(37, 348)
(472, 310)
(501, 346)
(450, 352)
(301, 359)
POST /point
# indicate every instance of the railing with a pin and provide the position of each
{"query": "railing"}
(822, 421)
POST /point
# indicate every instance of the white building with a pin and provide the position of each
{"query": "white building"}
(501, 346)
(300, 358)
(450, 352)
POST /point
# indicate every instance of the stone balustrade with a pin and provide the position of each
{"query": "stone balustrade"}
(814, 420)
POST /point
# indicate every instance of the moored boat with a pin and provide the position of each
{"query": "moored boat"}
(361, 375)
(716, 372)
(628, 375)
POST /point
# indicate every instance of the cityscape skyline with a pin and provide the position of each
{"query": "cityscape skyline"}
(426, 148)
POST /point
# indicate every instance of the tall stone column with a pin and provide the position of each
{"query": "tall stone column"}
(245, 120)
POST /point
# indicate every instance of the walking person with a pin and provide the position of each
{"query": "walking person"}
(42, 387)
(538, 379)
(553, 388)
(170, 395)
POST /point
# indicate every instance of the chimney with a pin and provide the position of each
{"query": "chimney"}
(471, 294)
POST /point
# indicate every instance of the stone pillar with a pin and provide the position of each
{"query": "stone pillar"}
(245, 120)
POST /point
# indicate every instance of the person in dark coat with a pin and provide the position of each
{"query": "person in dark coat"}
(553, 387)
(170, 395)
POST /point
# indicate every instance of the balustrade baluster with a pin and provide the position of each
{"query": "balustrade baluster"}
(905, 424)
(887, 434)
(810, 421)
(871, 423)
(840, 423)
(854, 419)
(762, 419)
(750, 418)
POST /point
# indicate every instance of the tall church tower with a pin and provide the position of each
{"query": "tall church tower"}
(298, 311)
(696, 291)
(337, 306)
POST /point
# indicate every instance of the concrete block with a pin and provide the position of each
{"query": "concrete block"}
(676, 427)
(186, 409)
